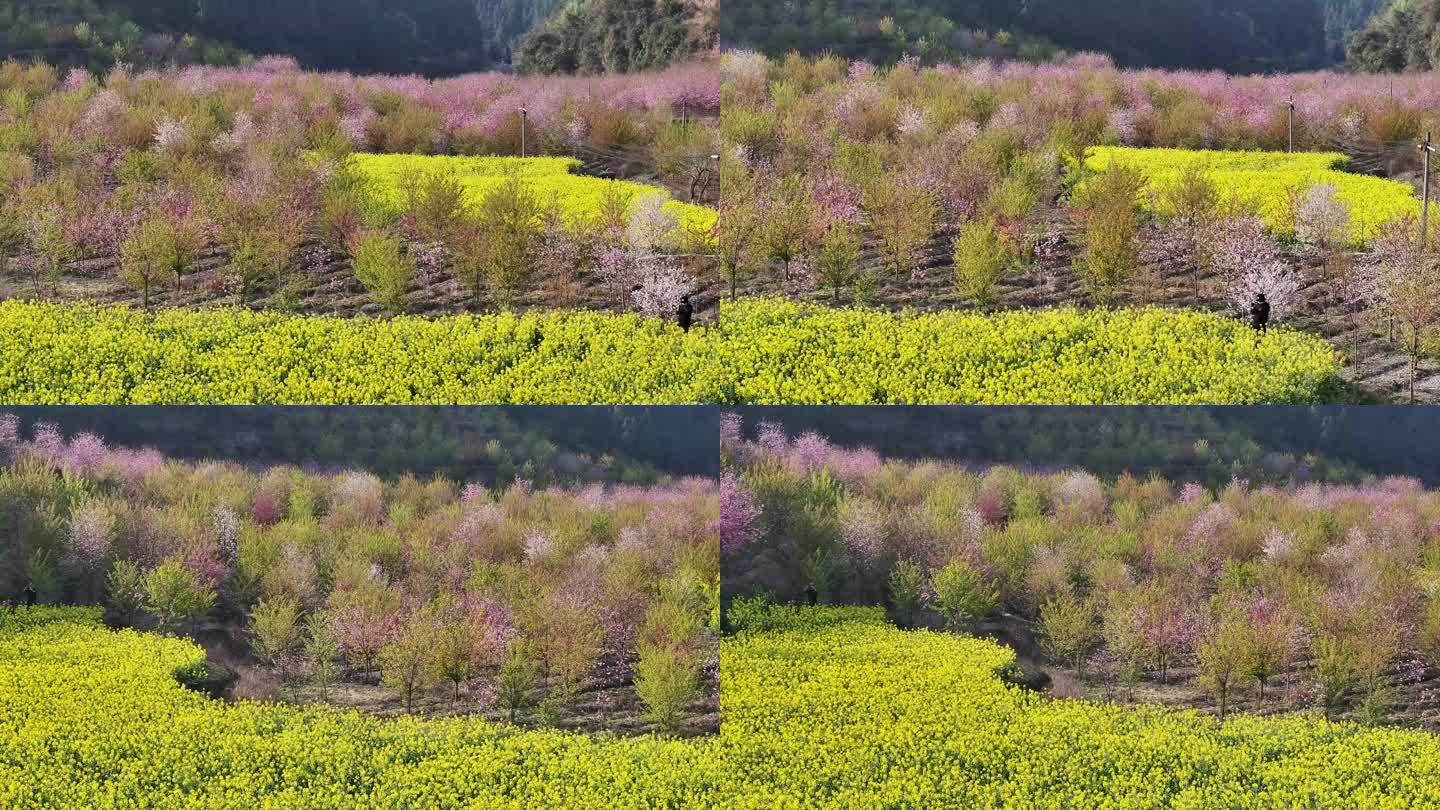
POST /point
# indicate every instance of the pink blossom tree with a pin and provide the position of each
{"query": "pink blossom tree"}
(740, 511)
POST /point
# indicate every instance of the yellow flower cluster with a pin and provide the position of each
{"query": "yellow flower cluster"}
(1267, 179)
(551, 178)
(863, 715)
(95, 718)
(765, 352)
(844, 711)
(87, 354)
(787, 353)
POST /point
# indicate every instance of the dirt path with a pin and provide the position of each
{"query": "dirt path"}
(329, 287)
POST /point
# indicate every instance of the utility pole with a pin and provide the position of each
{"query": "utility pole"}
(1291, 105)
(1428, 147)
(524, 125)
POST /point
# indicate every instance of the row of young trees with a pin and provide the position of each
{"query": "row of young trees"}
(510, 595)
(1320, 587)
(512, 240)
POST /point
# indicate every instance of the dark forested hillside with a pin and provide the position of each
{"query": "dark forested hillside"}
(614, 36)
(1404, 36)
(1345, 17)
(1233, 35)
(96, 34)
(1205, 444)
(430, 37)
(386, 36)
(490, 445)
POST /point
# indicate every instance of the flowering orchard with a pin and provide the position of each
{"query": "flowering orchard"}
(512, 596)
(1073, 184)
(145, 179)
(1316, 598)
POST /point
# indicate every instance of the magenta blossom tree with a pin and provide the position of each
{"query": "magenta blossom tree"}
(739, 514)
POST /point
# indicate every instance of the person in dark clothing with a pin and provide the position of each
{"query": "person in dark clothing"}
(686, 313)
(1260, 313)
(811, 595)
(30, 594)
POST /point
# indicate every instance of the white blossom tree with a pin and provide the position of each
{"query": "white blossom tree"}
(1322, 219)
(1250, 263)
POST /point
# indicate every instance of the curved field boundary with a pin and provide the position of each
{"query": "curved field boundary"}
(95, 718)
(862, 714)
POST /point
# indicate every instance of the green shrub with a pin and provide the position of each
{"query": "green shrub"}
(437, 202)
(383, 268)
(175, 593)
(275, 629)
(509, 220)
(1068, 629)
(907, 590)
(405, 662)
(837, 259)
(322, 649)
(666, 680)
(982, 255)
(519, 676)
(1110, 215)
(145, 257)
(963, 594)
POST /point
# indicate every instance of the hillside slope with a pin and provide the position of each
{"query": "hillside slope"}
(1403, 36)
(618, 36)
(1232, 35)
(427, 37)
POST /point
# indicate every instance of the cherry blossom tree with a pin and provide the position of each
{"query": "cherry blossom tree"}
(1322, 219)
(1250, 264)
(740, 511)
(661, 288)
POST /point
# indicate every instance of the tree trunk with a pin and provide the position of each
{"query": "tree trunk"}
(1414, 360)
